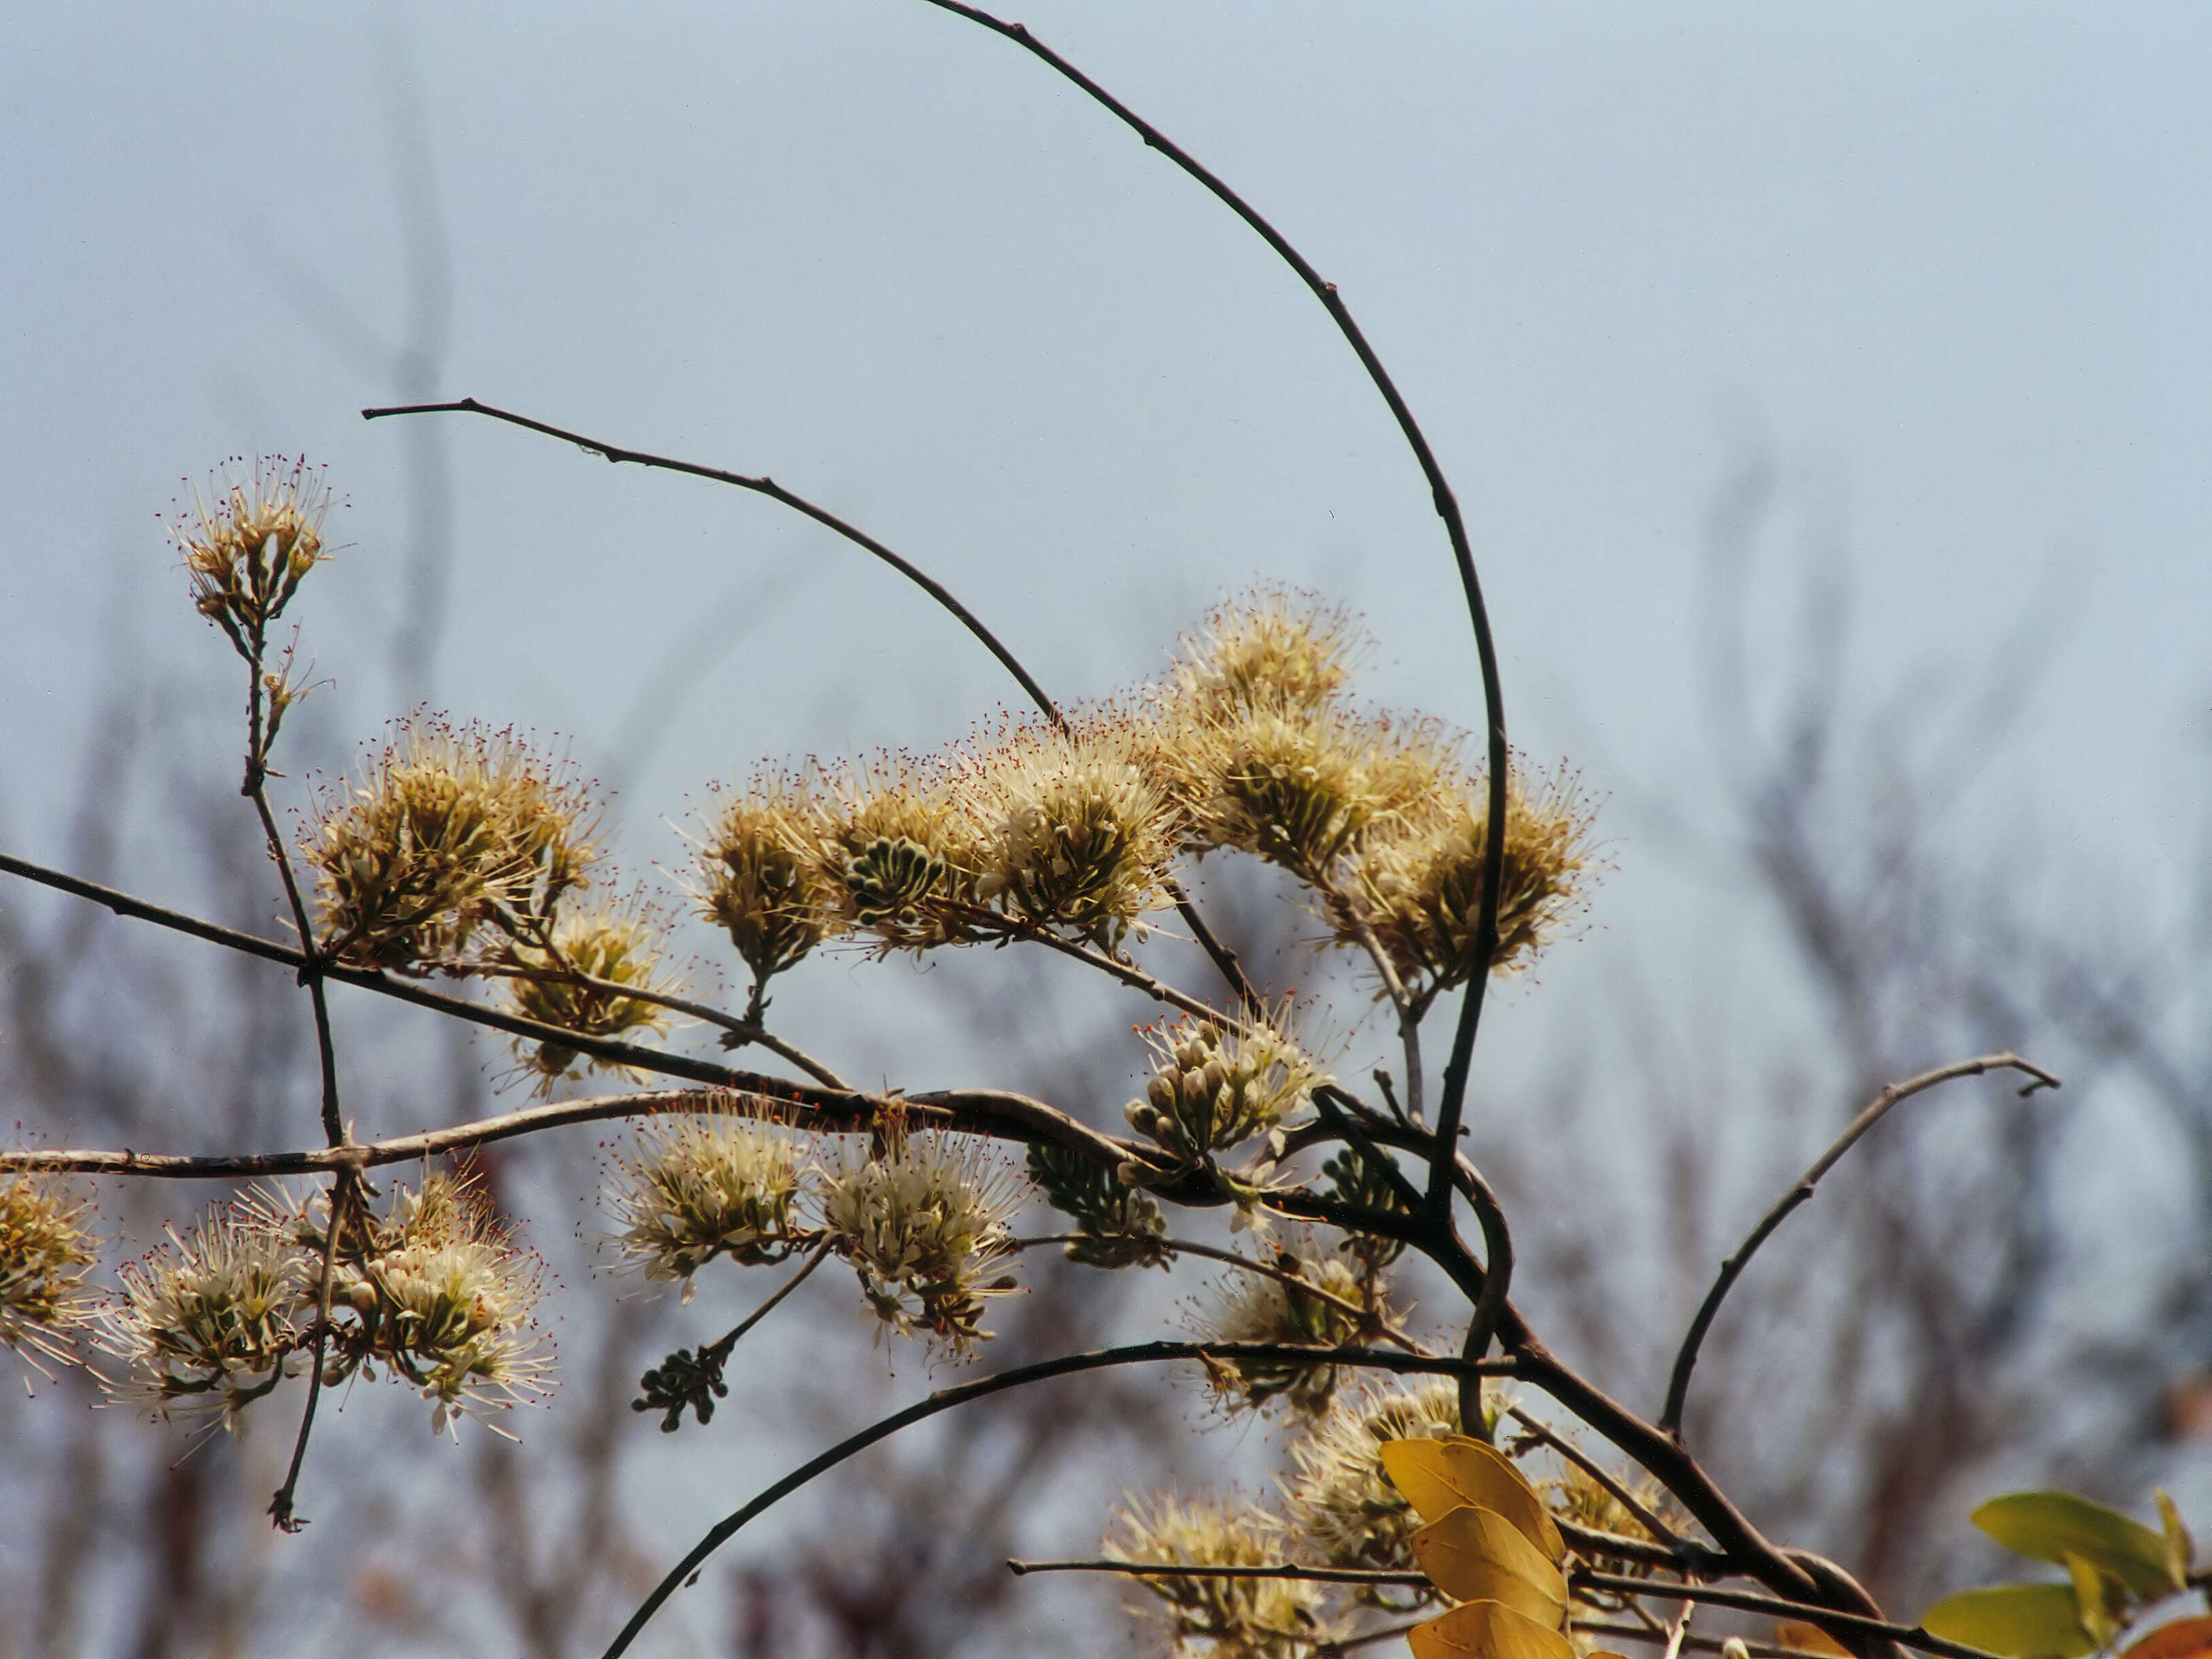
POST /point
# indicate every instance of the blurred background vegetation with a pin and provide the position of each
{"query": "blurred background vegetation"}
(1822, 389)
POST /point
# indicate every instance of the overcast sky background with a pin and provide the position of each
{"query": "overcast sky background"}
(1948, 265)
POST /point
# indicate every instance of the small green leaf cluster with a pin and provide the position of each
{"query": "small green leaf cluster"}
(2117, 1570)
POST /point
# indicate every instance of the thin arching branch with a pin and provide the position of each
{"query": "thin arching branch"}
(1446, 507)
(960, 1394)
(1830, 1619)
(1678, 1385)
(1395, 1338)
(1224, 957)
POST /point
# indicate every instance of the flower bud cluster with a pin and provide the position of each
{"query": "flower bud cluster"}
(620, 943)
(450, 831)
(46, 1251)
(1214, 1087)
(691, 1190)
(1121, 1226)
(923, 1224)
(247, 550)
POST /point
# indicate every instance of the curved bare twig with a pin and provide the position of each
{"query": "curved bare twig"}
(960, 1394)
(1224, 957)
(1440, 494)
(1678, 1385)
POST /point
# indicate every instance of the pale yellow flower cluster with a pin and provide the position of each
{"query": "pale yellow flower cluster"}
(1224, 1617)
(434, 1292)
(1249, 743)
(922, 1217)
(1214, 1086)
(450, 832)
(46, 1252)
(246, 550)
(687, 1190)
(1249, 1307)
(618, 943)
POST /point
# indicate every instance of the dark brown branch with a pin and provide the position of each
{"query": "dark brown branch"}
(1440, 495)
(1830, 1619)
(946, 1399)
(1668, 1537)
(760, 486)
(1678, 1385)
(1692, 1644)
(281, 1513)
(1224, 959)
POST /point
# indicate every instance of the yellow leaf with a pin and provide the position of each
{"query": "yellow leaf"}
(1478, 1555)
(2021, 1621)
(1809, 1638)
(2184, 1639)
(1438, 1476)
(1485, 1630)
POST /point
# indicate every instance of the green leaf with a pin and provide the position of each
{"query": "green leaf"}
(2045, 1525)
(2180, 1549)
(2021, 1621)
(2095, 1595)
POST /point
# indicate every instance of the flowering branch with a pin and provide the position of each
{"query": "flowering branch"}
(1224, 959)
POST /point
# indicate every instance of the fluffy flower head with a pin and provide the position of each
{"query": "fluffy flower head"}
(447, 828)
(1421, 890)
(47, 1249)
(621, 943)
(1275, 648)
(924, 1225)
(761, 872)
(1075, 834)
(690, 1190)
(248, 542)
(213, 1321)
(1226, 1618)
